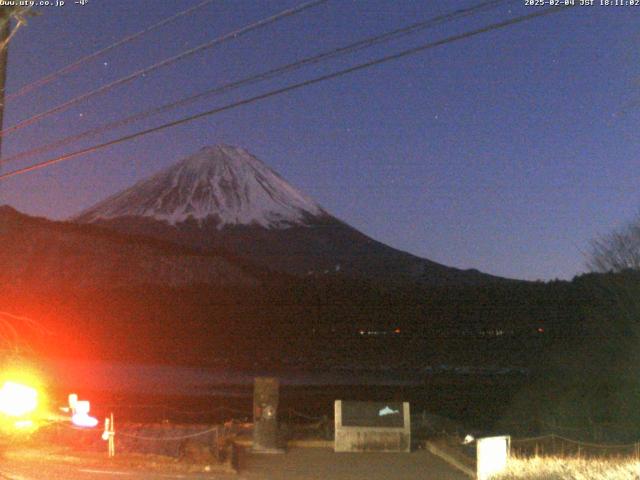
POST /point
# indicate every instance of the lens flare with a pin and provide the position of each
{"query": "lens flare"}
(24, 424)
(17, 400)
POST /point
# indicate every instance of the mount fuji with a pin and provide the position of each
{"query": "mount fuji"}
(222, 185)
(223, 199)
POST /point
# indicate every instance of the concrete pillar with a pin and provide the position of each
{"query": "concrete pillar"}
(266, 397)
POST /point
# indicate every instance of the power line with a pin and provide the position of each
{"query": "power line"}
(74, 65)
(6, 34)
(295, 86)
(229, 36)
(359, 45)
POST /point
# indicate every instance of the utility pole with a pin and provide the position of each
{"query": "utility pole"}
(5, 31)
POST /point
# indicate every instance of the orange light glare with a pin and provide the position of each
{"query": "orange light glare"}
(23, 424)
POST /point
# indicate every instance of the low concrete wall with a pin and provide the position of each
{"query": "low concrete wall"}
(452, 457)
(371, 439)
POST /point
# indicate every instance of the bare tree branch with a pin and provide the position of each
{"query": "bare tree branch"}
(617, 251)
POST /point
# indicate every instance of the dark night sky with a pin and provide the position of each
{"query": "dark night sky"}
(504, 152)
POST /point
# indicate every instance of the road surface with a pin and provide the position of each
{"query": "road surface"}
(296, 464)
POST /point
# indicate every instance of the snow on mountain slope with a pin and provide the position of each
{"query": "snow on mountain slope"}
(223, 183)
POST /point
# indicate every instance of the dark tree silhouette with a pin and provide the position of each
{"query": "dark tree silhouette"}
(618, 250)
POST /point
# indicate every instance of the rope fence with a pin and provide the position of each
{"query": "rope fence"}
(294, 413)
(552, 444)
(170, 438)
(158, 435)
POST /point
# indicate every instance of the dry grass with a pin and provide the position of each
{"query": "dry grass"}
(571, 468)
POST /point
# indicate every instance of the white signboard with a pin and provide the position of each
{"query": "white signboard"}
(492, 455)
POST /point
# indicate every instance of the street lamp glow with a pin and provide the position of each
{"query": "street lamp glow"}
(17, 400)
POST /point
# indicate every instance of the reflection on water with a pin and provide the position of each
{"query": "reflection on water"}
(192, 381)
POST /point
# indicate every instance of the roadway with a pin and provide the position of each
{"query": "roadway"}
(296, 464)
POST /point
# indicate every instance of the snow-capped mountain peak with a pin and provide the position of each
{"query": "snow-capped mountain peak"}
(222, 183)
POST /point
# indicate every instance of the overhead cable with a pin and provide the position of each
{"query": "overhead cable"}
(92, 56)
(359, 45)
(144, 71)
(289, 88)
